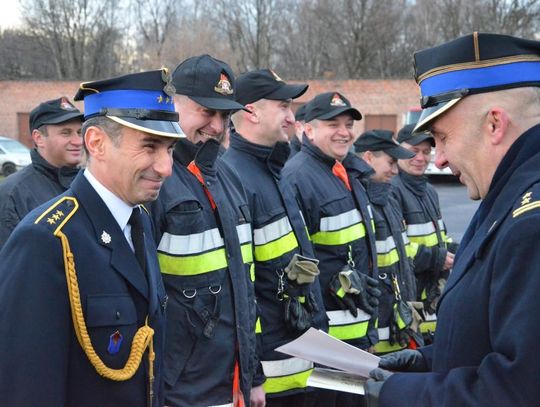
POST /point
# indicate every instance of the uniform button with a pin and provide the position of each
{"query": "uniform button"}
(117, 314)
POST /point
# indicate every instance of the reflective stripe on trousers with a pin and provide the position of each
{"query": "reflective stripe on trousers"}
(286, 374)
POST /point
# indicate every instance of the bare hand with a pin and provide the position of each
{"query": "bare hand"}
(449, 262)
(257, 397)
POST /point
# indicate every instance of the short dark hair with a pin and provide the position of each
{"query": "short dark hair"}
(109, 126)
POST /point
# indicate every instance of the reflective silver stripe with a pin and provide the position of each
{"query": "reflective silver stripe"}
(430, 317)
(370, 211)
(272, 231)
(441, 224)
(385, 246)
(384, 333)
(344, 317)
(285, 367)
(223, 405)
(182, 245)
(340, 221)
(421, 229)
(405, 238)
(244, 233)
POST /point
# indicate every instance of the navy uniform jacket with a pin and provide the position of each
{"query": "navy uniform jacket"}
(279, 232)
(339, 221)
(42, 363)
(205, 257)
(28, 188)
(485, 351)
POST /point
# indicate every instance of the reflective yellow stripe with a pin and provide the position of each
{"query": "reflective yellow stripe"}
(343, 325)
(258, 328)
(192, 265)
(385, 260)
(347, 332)
(385, 347)
(339, 237)
(252, 272)
(428, 241)
(428, 326)
(277, 248)
(411, 249)
(286, 374)
(247, 253)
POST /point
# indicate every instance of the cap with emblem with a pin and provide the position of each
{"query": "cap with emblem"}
(473, 64)
(406, 135)
(142, 101)
(207, 81)
(300, 114)
(54, 111)
(265, 84)
(329, 105)
(381, 140)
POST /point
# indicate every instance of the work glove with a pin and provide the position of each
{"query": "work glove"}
(433, 293)
(400, 323)
(298, 315)
(302, 270)
(352, 289)
(406, 360)
(373, 386)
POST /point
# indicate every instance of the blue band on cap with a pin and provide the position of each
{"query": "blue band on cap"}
(127, 99)
(478, 78)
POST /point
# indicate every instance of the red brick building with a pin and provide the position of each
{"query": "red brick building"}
(382, 102)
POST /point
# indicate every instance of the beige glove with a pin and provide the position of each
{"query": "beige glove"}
(302, 270)
(417, 319)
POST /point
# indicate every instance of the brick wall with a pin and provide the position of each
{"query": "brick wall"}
(371, 97)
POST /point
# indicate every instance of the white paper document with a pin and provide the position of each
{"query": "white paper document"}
(336, 380)
(319, 347)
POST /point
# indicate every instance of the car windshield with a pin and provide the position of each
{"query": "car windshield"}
(13, 146)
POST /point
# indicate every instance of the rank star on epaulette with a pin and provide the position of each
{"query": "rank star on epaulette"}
(526, 204)
(525, 199)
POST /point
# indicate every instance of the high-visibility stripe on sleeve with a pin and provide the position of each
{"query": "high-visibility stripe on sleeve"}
(196, 243)
(383, 346)
(343, 325)
(341, 221)
(192, 265)
(340, 229)
(411, 249)
(423, 233)
(274, 240)
(286, 374)
(387, 253)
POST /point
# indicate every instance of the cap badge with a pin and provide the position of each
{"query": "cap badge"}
(115, 340)
(66, 105)
(223, 86)
(169, 88)
(337, 101)
(105, 237)
(276, 77)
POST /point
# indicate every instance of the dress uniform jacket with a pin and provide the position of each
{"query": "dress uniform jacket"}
(488, 358)
(279, 232)
(392, 258)
(42, 362)
(28, 188)
(205, 257)
(339, 222)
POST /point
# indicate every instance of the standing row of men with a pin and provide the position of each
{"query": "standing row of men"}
(253, 248)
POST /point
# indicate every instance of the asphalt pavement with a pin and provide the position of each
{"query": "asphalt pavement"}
(456, 206)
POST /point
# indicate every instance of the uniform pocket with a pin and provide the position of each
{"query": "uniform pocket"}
(110, 310)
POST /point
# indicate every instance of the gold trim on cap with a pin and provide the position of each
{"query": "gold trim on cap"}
(476, 47)
(422, 125)
(145, 129)
(81, 87)
(474, 65)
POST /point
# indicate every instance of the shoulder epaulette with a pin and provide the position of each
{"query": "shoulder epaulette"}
(56, 216)
(527, 204)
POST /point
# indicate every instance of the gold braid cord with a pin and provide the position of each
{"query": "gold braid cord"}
(143, 337)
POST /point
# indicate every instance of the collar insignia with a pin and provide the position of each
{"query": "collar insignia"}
(105, 237)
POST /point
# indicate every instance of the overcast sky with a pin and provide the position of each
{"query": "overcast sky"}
(10, 16)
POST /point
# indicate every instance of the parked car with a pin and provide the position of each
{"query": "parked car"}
(13, 156)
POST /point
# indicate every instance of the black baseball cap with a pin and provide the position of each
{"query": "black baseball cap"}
(382, 140)
(142, 101)
(329, 105)
(300, 114)
(406, 135)
(54, 111)
(475, 63)
(265, 84)
(207, 81)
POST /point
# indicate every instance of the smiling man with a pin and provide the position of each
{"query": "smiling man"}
(56, 132)
(481, 100)
(89, 328)
(327, 178)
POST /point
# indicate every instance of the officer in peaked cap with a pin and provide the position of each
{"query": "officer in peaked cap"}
(79, 275)
(482, 105)
(55, 127)
(204, 249)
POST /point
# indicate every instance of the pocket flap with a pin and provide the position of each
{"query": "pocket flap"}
(110, 310)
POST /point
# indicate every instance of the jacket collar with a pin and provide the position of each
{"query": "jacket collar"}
(377, 192)
(274, 157)
(417, 184)
(63, 175)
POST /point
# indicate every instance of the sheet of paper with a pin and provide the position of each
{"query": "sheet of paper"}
(319, 347)
(336, 380)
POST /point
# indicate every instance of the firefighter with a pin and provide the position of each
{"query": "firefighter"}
(286, 273)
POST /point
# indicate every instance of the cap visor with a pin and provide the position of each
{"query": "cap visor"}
(399, 153)
(429, 114)
(287, 92)
(419, 138)
(65, 117)
(157, 127)
(356, 115)
(218, 103)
